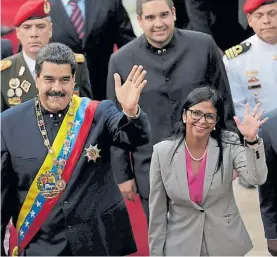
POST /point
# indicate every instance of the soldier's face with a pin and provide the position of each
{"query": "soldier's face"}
(55, 85)
(264, 22)
(157, 22)
(34, 34)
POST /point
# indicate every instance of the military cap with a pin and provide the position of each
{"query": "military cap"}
(32, 9)
(252, 5)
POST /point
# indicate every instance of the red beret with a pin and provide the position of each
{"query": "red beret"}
(32, 9)
(252, 5)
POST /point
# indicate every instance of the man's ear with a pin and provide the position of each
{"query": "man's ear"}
(36, 80)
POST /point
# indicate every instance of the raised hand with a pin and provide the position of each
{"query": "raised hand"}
(128, 94)
(252, 121)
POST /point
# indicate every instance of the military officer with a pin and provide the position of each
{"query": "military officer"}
(34, 30)
(252, 65)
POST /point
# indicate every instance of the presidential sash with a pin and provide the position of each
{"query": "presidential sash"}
(43, 194)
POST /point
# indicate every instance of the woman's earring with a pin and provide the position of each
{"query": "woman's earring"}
(214, 128)
(184, 121)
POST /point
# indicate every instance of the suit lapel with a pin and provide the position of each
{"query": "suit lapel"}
(59, 11)
(179, 167)
(212, 158)
(91, 10)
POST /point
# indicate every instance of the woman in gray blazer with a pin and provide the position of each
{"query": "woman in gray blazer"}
(192, 205)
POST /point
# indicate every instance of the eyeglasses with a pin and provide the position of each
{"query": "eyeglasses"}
(210, 118)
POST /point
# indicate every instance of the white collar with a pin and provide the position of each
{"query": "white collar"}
(30, 63)
(265, 45)
(65, 2)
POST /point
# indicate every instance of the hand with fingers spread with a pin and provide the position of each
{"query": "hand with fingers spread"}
(250, 125)
(128, 94)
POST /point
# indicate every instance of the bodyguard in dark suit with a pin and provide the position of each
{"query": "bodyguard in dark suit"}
(6, 48)
(177, 61)
(193, 15)
(34, 29)
(268, 191)
(56, 180)
(105, 23)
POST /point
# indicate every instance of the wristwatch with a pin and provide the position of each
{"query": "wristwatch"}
(253, 142)
(134, 116)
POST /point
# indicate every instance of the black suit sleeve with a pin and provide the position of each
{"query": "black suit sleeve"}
(120, 158)
(125, 133)
(7, 191)
(198, 12)
(268, 191)
(217, 77)
(124, 27)
(82, 80)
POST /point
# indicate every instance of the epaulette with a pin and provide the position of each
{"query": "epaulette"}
(80, 58)
(5, 64)
(235, 51)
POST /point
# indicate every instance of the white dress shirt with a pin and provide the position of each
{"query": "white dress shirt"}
(30, 64)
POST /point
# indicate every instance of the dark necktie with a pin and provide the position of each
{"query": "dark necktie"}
(77, 19)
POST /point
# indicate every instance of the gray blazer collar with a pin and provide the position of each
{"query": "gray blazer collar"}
(178, 166)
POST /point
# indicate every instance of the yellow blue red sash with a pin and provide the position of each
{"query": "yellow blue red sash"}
(36, 207)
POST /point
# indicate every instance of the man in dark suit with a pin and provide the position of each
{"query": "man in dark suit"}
(268, 191)
(6, 48)
(177, 61)
(57, 184)
(193, 15)
(102, 23)
(34, 30)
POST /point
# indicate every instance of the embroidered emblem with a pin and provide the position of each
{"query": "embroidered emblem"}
(14, 83)
(92, 153)
(50, 185)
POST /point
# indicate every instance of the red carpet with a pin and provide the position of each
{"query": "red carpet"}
(139, 225)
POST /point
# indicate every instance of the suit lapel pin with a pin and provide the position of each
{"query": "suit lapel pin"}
(92, 153)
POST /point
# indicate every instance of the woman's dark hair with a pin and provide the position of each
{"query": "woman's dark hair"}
(197, 96)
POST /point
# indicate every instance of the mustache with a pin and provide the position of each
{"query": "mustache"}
(55, 93)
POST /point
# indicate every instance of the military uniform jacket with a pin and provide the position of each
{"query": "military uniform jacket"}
(253, 75)
(18, 84)
(90, 218)
(189, 61)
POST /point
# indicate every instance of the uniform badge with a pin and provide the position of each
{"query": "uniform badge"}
(14, 83)
(46, 7)
(25, 85)
(21, 71)
(10, 92)
(18, 92)
(14, 100)
(92, 153)
(253, 79)
(235, 51)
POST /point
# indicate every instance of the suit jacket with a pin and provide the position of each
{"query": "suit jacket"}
(193, 15)
(106, 24)
(268, 191)
(90, 218)
(82, 85)
(190, 60)
(6, 48)
(177, 225)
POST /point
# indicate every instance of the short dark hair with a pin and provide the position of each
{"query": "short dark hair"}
(55, 53)
(141, 2)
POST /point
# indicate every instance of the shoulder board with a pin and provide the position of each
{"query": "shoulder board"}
(235, 51)
(80, 58)
(5, 64)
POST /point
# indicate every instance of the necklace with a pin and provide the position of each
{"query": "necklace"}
(59, 162)
(195, 159)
